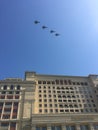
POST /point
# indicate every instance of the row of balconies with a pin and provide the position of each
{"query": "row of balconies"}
(9, 97)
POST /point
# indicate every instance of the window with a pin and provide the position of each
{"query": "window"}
(61, 110)
(74, 100)
(40, 110)
(76, 110)
(89, 105)
(70, 127)
(53, 82)
(40, 95)
(37, 128)
(13, 124)
(44, 86)
(4, 124)
(70, 106)
(12, 87)
(55, 105)
(55, 100)
(48, 87)
(96, 110)
(78, 83)
(8, 103)
(56, 110)
(17, 92)
(61, 82)
(45, 100)
(45, 111)
(92, 100)
(86, 83)
(15, 103)
(41, 128)
(50, 105)
(91, 110)
(57, 81)
(5, 87)
(84, 127)
(75, 105)
(95, 127)
(45, 95)
(80, 105)
(51, 110)
(94, 105)
(65, 82)
(40, 100)
(3, 92)
(45, 105)
(6, 116)
(18, 87)
(40, 105)
(66, 110)
(50, 100)
(39, 87)
(44, 82)
(48, 82)
(56, 128)
(39, 82)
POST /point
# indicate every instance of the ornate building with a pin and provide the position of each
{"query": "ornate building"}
(49, 102)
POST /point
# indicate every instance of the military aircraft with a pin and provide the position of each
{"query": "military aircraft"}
(43, 27)
(36, 22)
(52, 31)
(57, 34)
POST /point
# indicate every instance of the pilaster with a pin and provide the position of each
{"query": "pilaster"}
(78, 127)
(91, 127)
(63, 127)
(33, 127)
(48, 126)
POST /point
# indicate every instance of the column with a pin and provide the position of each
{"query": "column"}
(63, 127)
(91, 127)
(78, 127)
(33, 127)
(48, 126)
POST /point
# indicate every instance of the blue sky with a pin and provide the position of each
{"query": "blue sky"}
(25, 46)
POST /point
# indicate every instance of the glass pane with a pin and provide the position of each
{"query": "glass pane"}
(95, 127)
(53, 128)
(58, 128)
(84, 127)
(72, 127)
(37, 128)
(44, 128)
(67, 127)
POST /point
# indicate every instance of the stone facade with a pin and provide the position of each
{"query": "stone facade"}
(49, 102)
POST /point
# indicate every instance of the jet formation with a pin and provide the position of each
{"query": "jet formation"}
(45, 27)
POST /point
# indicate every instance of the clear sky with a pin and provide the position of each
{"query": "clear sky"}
(25, 46)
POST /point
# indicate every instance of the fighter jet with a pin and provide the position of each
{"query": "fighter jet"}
(36, 22)
(57, 34)
(43, 27)
(52, 31)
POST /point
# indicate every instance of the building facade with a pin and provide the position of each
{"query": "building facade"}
(49, 102)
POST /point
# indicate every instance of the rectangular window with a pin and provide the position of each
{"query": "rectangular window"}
(56, 128)
(84, 127)
(70, 127)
